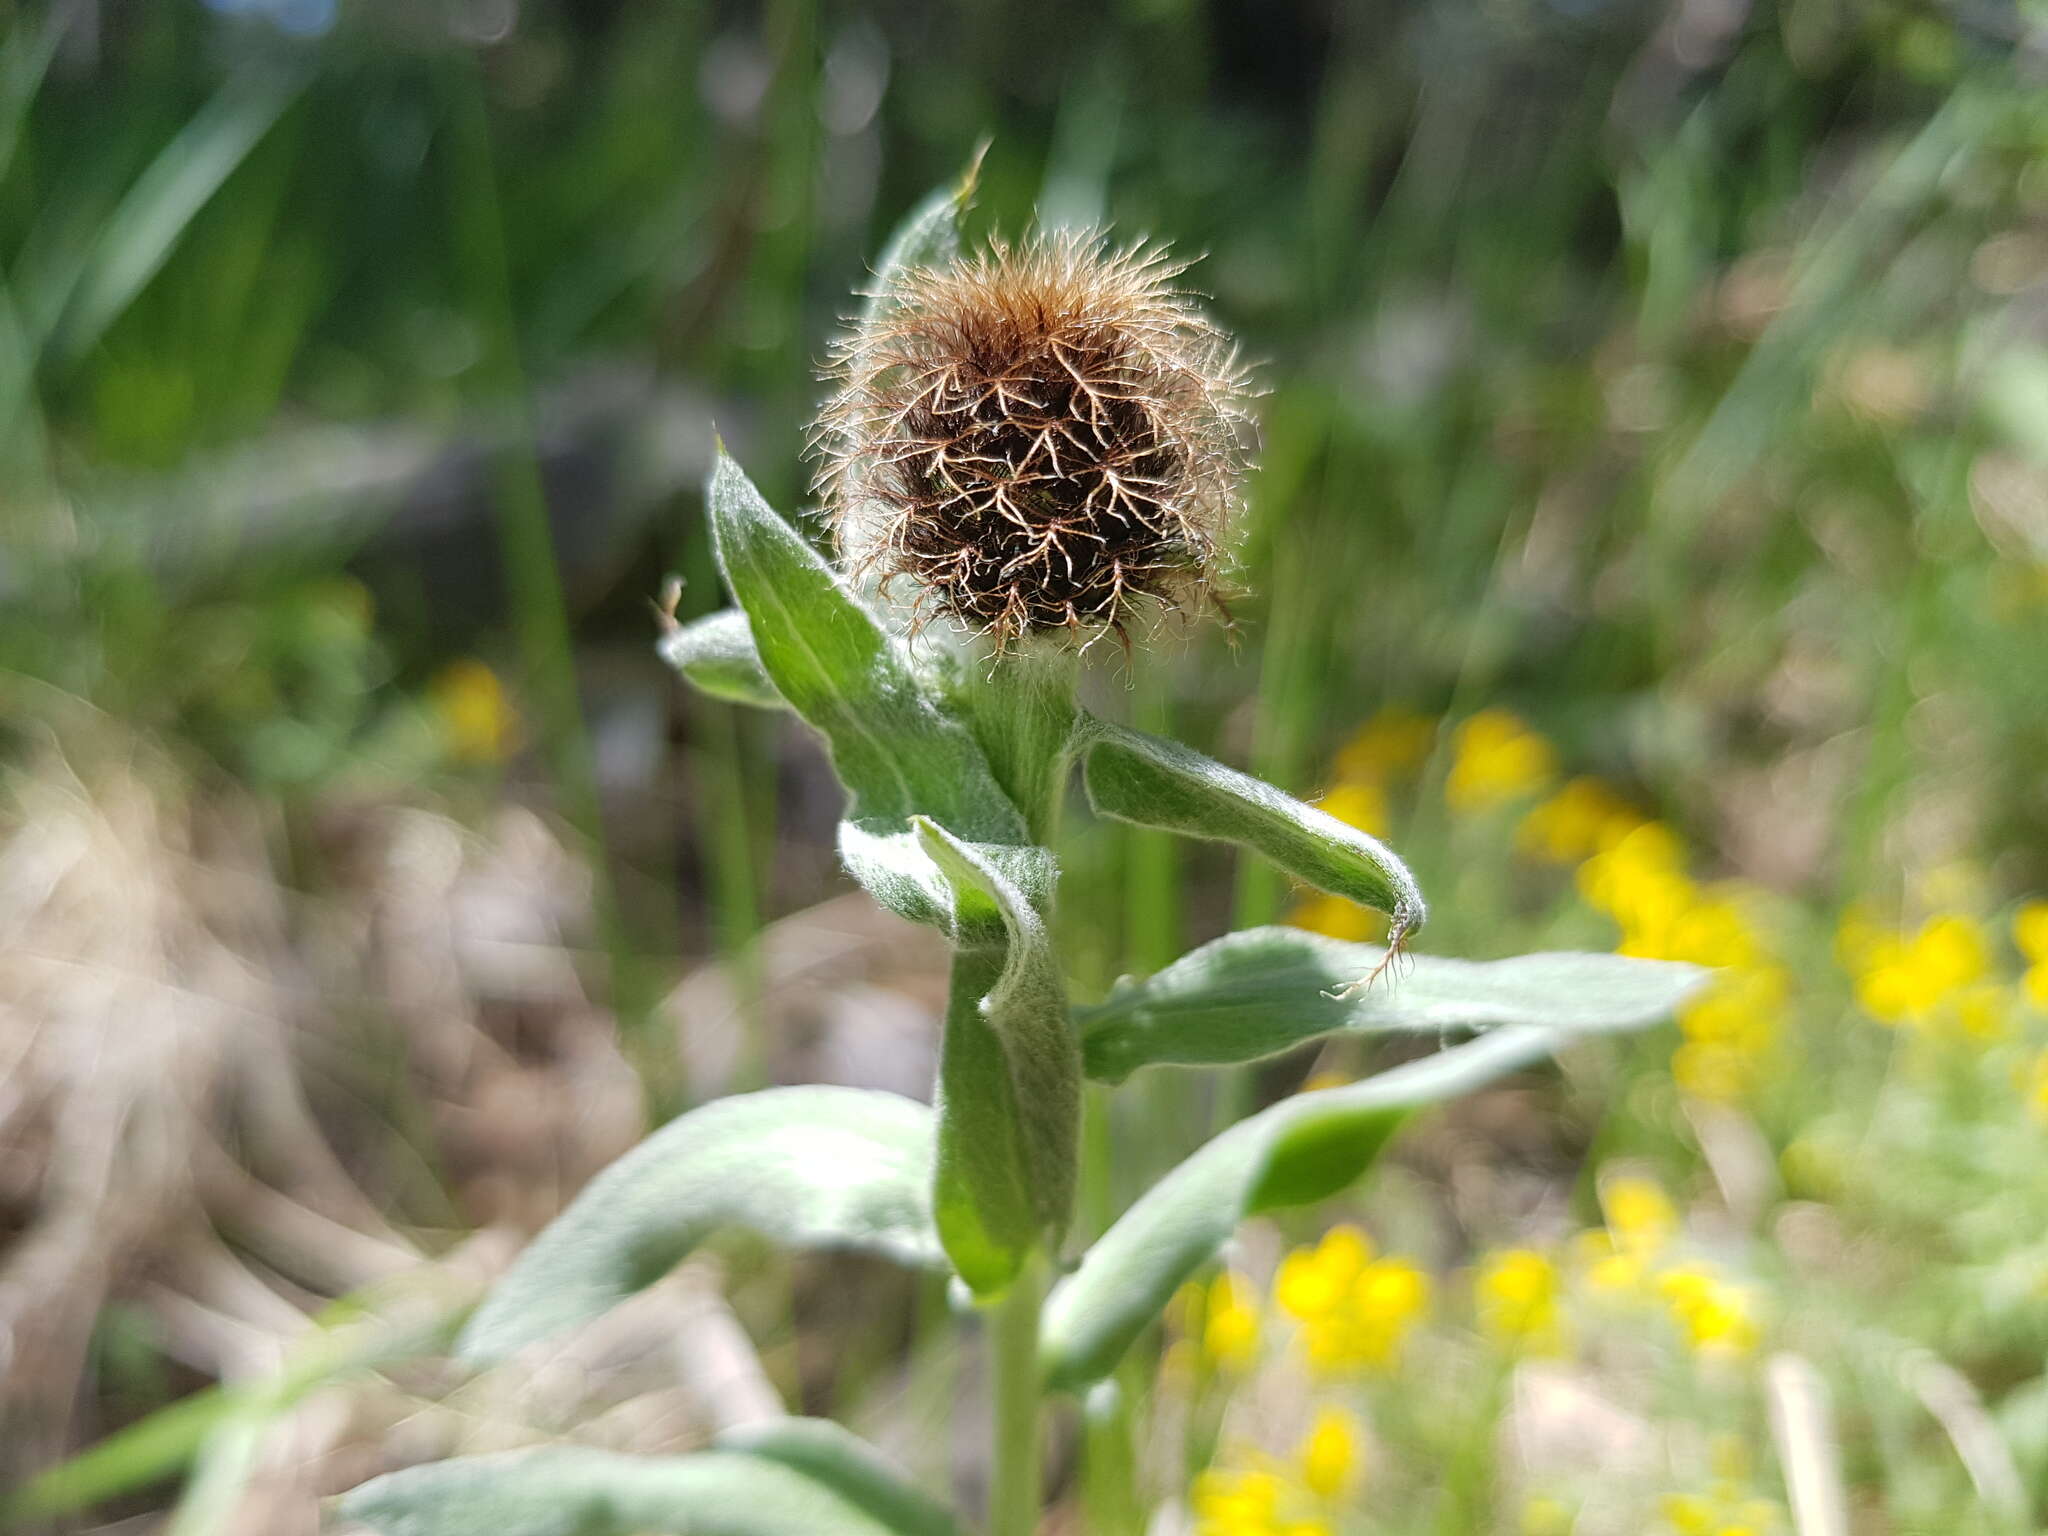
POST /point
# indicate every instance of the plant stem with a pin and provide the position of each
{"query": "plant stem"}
(1016, 1478)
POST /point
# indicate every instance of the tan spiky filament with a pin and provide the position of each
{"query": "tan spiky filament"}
(1039, 439)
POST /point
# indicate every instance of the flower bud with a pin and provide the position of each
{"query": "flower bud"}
(1037, 440)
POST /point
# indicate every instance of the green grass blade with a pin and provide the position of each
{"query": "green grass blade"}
(153, 216)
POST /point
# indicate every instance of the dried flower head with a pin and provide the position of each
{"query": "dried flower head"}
(1038, 439)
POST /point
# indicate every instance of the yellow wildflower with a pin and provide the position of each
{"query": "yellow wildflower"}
(2030, 931)
(1516, 1291)
(2035, 985)
(1638, 1212)
(1392, 743)
(1610, 1268)
(1329, 1456)
(1335, 918)
(1230, 1324)
(1580, 820)
(1237, 1503)
(1715, 1316)
(1355, 1311)
(473, 709)
(1907, 980)
(1498, 759)
(1359, 803)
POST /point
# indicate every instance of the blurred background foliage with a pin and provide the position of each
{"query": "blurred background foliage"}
(1667, 377)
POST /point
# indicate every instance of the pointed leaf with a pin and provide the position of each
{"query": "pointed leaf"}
(1009, 1102)
(840, 1459)
(1158, 783)
(928, 236)
(716, 654)
(812, 1167)
(897, 753)
(579, 1491)
(1265, 990)
(1300, 1150)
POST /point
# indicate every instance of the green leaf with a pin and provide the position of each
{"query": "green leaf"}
(822, 1485)
(928, 236)
(1265, 990)
(812, 1167)
(896, 751)
(716, 654)
(1009, 1101)
(1300, 1150)
(837, 1458)
(1157, 783)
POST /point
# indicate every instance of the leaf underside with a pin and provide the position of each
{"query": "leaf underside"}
(1259, 992)
(1159, 783)
(815, 1167)
(795, 1478)
(1300, 1150)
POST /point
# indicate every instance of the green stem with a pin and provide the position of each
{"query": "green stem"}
(1016, 1483)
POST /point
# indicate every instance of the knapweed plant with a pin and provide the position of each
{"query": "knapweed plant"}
(1027, 448)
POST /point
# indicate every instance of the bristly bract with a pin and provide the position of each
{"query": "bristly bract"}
(1038, 440)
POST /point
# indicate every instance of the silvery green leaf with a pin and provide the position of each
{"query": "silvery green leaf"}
(896, 751)
(791, 1486)
(1157, 783)
(840, 1459)
(1302, 1149)
(1265, 990)
(1009, 1100)
(813, 1167)
(716, 654)
(928, 236)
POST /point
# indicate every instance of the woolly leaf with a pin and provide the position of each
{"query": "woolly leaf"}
(1300, 1150)
(812, 1167)
(716, 653)
(1262, 991)
(1009, 1101)
(788, 1482)
(896, 751)
(928, 236)
(1157, 783)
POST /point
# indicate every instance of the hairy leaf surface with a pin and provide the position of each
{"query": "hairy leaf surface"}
(787, 1482)
(1265, 990)
(1009, 1102)
(813, 1167)
(716, 654)
(1158, 783)
(1300, 1150)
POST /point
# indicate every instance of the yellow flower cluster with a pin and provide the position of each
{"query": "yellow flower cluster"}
(1731, 1029)
(473, 710)
(2030, 933)
(1726, 1511)
(1626, 1259)
(1355, 1311)
(1220, 1321)
(1387, 749)
(1582, 818)
(1516, 1294)
(1496, 759)
(1941, 973)
(1270, 1497)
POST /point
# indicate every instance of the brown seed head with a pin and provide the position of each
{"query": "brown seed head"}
(1039, 439)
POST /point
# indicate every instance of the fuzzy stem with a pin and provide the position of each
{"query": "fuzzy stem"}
(1021, 710)
(1016, 1484)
